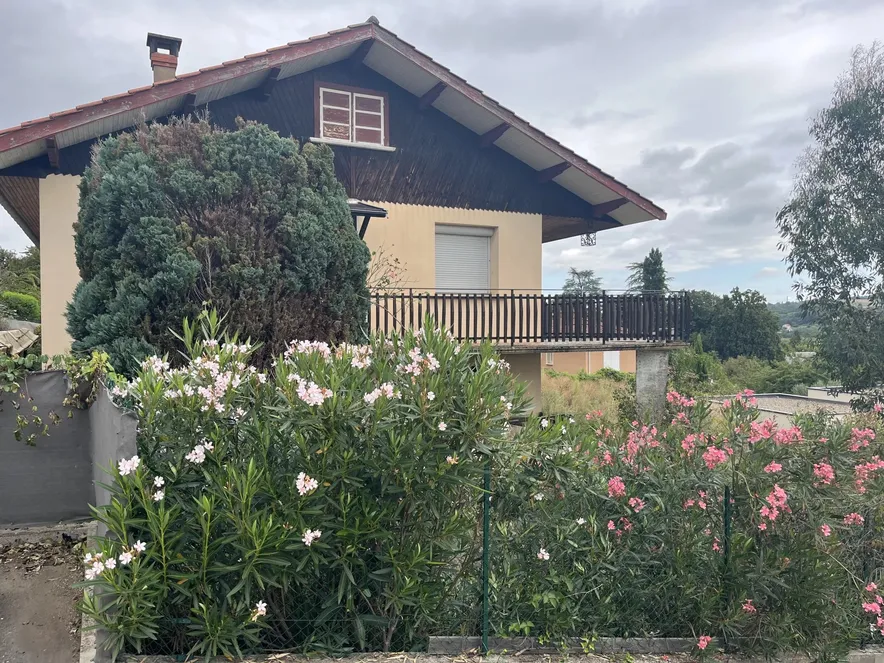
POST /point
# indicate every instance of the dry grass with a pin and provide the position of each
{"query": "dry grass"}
(568, 395)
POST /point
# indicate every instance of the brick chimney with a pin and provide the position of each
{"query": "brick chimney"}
(163, 56)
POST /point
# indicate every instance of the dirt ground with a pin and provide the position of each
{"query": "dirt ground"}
(38, 617)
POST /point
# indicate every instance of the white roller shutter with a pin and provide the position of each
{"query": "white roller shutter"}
(463, 259)
(612, 359)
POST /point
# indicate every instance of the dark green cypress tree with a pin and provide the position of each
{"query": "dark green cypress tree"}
(649, 274)
(175, 215)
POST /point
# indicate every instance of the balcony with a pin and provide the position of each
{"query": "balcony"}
(532, 321)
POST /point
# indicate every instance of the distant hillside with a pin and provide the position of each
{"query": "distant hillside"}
(790, 313)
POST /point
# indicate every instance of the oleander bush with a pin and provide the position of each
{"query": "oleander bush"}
(624, 533)
(330, 503)
(334, 503)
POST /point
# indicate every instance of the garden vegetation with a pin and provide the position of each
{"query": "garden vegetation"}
(332, 502)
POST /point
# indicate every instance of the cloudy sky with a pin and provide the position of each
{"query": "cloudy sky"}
(701, 105)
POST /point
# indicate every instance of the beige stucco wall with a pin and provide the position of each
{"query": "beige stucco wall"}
(526, 367)
(627, 361)
(574, 362)
(569, 362)
(59, 203)
(409, 233)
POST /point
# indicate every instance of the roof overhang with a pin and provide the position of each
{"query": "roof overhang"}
(614, 204)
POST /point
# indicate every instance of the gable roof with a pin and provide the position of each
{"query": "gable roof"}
(380, 50)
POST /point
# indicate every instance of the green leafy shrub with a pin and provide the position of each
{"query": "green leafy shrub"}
(624, 534)
(340, 492)
(334, 502)
(173, 215)
(21, 306)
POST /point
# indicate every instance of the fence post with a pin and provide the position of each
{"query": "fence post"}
(486, 540)
(726, 562)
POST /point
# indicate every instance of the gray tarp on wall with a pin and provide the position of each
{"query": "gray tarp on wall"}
(51, 481)
(113, 438)
(59, 477)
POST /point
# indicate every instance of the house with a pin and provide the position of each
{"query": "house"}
(459, 188)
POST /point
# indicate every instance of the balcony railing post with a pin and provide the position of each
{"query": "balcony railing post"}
(604, 317)
(512, 317)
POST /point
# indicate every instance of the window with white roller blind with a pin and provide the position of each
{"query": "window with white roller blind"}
(612, 359)
(463, 258)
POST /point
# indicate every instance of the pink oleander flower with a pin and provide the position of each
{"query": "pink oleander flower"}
(128, 466)
(714, 456)
(865, 471)
(773, 467)
(860, 438)
(854, 519)
(825, 530)
(636, 503)
(749, 607)
(716, 545)
(95, 570)
(762, 526)
(611, 525)
(616, 487)
(125, 558)
(197, 455)
(543, 555)
(688, 443)
(787, 436)
(761, 431)
(871, 607)
(777, 497)
(305, 484)
(259, 611)
(310, 536)
(878, 408)
(443, 426)
(703, 642)
(871, 587)
(139, 547)
(824, 472)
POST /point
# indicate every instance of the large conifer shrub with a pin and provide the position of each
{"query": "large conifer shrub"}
(174, 215)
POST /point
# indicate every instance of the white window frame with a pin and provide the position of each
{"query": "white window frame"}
(352, 96)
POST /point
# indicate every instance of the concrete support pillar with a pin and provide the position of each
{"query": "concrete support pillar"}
(651, 375)
(526, 367)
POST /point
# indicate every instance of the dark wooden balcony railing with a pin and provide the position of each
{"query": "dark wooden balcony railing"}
(518, 317)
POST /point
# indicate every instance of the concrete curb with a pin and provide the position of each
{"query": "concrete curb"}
(91, 639)
(456, 646)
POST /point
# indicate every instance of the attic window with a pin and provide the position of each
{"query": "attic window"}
(350, 115)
